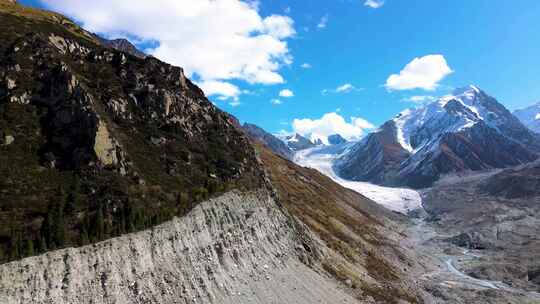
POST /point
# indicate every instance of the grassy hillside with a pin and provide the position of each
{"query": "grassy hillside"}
(361, 235)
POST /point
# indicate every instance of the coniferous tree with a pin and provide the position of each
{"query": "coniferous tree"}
(42, 244)
(29, 248)
(73, 196)
(47, 230)
(100, 224)
(15, 245)
(2, 254)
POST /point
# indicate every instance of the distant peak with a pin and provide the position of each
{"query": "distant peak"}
(467, 89)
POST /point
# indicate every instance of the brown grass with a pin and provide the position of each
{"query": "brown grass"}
(349, 224)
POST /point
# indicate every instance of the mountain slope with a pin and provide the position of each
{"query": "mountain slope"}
(466, 131)
(362, 237)
(273, 143)
(530, 117)
(97, 143)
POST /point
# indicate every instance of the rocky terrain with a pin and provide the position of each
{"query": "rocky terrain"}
(273, 143)
(493, 218)
(122, 45)
(97, 142)
(468, 131)
(122, 183)
(238, 248)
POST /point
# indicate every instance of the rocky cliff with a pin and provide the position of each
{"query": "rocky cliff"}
(97, 142)
(273, 143)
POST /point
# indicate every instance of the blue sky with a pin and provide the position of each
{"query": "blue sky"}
(493, 44)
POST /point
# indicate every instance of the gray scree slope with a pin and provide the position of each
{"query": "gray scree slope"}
(238, 248)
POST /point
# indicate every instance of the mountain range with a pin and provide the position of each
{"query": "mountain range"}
(466, 131)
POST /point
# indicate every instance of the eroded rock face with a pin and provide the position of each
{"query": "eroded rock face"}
(232, 249)
(104, 146)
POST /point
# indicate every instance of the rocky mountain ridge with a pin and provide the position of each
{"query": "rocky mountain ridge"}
(123, 45)
(97, 142)
(272, 142)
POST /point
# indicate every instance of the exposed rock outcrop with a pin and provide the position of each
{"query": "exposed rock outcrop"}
(272, 142)
(123, 45)
(102, 136)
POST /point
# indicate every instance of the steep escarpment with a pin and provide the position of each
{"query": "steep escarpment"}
(96, 143)
(238, 248)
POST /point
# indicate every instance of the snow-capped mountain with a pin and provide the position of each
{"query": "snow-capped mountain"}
(297, 142)
(530, 117)
(468, 130)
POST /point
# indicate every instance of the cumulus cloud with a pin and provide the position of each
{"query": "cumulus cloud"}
(323, 22)
(223, 90)
(306, 66)
(286, 93)
(342, 89)
(276, 102)
(329, 124)
(213, 40)
(374, 3)
(421, 73)
(537, 116)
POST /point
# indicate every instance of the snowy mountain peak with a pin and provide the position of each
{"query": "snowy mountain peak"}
(468, 130)
(470, 89)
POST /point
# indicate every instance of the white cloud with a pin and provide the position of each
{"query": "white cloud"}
(306, 66)
(323, 22)
(235, 103)
(286, 93)
(223, 90)
(346, 88)
(421, 73)
(362, 123)
(374, 3)
(329, 124)
(420, 99)
(215, 40)
(342, 89)
(276, 102)
(537, 116)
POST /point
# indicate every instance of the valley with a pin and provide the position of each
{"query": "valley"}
(123, 179)
(459, 269)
